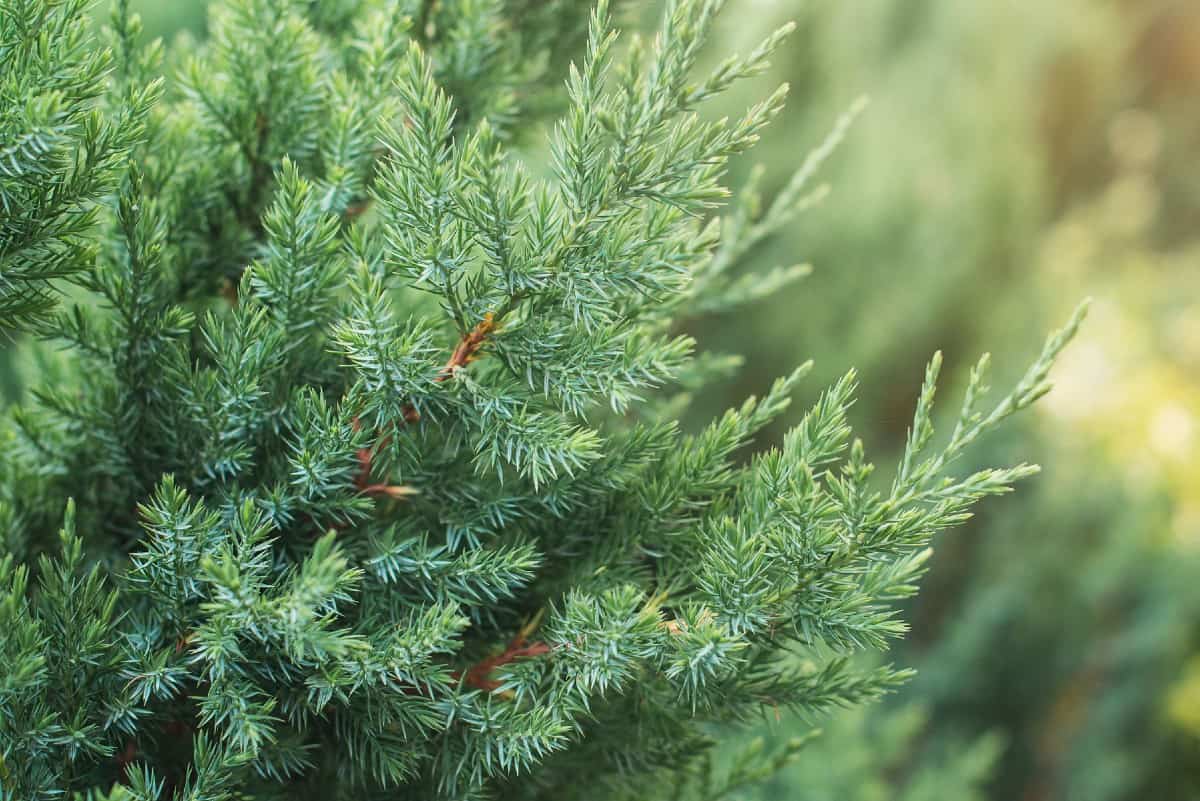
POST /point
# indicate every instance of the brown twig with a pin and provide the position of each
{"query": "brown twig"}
(356, 210)
(469, 346)
(478, 675)
(465, 352)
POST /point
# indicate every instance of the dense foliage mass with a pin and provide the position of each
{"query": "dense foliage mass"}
(364, 425)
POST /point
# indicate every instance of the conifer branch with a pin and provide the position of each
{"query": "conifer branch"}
(477, 676)
(351, 170)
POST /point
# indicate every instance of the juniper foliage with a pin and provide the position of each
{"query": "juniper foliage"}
(364, 424)
(60, 148)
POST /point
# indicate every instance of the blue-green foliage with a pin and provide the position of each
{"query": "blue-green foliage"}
(368, 427)
(62, 147)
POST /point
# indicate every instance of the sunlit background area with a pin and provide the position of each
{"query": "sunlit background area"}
(1016, 156)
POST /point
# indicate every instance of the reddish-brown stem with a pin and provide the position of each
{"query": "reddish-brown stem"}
(464, 353)
(478, 676)
(357, 210)
(469, 346)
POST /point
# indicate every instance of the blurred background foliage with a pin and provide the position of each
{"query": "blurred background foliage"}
(1017, 156)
